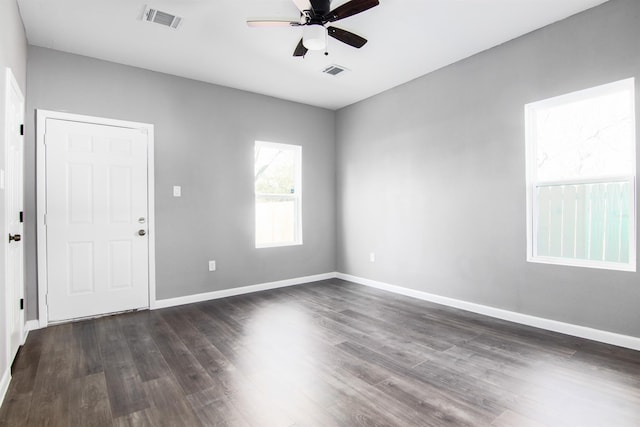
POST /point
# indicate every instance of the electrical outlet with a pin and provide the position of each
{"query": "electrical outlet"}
(212, 265)
(177, 191)
(372, 257)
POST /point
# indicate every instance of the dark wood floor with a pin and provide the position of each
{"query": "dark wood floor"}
(323, 354)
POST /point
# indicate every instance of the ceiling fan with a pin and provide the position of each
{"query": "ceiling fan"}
(314, 16)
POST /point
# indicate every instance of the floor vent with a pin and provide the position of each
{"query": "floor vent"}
(334, 70)
(163, 18)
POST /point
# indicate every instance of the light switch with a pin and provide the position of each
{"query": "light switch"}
(177, 191)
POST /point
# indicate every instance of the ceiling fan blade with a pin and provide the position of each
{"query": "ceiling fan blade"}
(349, 9)
(302, 5)
(300, 50)
(271, 23)
(346, 37)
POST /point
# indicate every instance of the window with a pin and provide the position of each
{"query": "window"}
(278, 193)
(581, 166)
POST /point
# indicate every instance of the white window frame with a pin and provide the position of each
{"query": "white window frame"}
(296, 196)
(533, 183)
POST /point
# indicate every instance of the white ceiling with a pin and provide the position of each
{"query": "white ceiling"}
(407, 39)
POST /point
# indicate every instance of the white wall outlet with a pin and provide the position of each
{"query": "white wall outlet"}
(372, 257)
(177, 191)
(212, 265)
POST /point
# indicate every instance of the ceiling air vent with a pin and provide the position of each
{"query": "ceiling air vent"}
(334, 70)
(163, 18)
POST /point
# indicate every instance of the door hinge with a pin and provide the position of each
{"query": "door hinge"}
(21, 303)
(21, 216)
(22, 130)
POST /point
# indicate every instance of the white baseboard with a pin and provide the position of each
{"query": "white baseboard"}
(512, 316)
(31, 325)
(4, 383)
(189, 299)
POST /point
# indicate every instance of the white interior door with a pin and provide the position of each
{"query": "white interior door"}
(14, 118)
(96, 219)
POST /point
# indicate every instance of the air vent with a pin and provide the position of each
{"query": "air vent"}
(163, 18)
(334, 70)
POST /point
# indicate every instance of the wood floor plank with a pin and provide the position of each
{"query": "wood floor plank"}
(222, 339)
(222, 373)
(215, 409)
(357, 411)
(301, 400)
(90, 402)
(436, 406)
(397, 412)
(25, 367)
(330, 353)
(141, 418)
(482, 395)
(510, 419)
(50, 400)
(86, 345)
(406, 330)
(169, 406)
(124, 385)
(384, 340)
(146, 356)
(258, 408)
(189, 373)
(15, 409)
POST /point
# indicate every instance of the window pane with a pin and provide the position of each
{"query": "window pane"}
(587, 138)
(585, 221)
(274, 170)
(275, 220)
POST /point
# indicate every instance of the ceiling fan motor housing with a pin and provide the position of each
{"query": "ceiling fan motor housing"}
(320, 9)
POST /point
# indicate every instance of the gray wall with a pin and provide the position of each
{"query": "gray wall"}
(204, 138)
(13, 54)
(431, 175)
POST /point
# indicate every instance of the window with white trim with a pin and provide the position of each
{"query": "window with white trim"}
(278, 194)
(581, 175)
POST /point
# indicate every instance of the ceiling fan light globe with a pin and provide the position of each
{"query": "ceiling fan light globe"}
(314, 37)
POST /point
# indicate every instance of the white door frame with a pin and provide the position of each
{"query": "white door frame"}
(41, 188)
(11, 86)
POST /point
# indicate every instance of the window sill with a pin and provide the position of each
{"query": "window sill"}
(278, 245)
(631, 267)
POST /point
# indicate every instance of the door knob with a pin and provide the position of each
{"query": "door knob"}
(141, 232)
(15, 238)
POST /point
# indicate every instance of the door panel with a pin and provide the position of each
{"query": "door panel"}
(96, 178)
(14, 117)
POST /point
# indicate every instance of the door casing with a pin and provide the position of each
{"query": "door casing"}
(41, 118)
